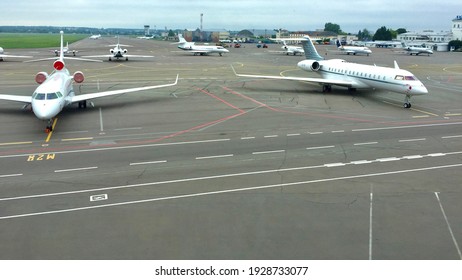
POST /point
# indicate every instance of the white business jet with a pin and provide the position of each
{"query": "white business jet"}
(119, 52)
(65, 50)
(56, 91)
(199, 49)
(95, 37)
(3, 55)
(353, 49)
(416, 50)
(354, 76)
(294, 50)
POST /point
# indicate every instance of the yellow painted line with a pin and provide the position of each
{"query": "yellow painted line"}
(15, 143)
(423, 116)
(452, 115)
(52, 129)
(77, 139)
(420, 111)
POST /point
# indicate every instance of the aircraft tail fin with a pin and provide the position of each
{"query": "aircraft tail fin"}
(181, 39)
(310, 50)
(396, 65)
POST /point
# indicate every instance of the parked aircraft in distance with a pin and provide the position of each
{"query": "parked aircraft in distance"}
(353, 49)
(199, 49)
(95, 37)
(354, 76)
(290, 49)
(416, 50)
(3, 55)
(119, 52)
(56, 91)
(65, 50)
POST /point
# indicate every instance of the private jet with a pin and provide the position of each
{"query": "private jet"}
(65, 50)
(95, 37)
(199, 49)
(353, 49)
(294, 50)
(55, 91)
(354, 76)
(3, 55)
(416, 50)
(118, 52)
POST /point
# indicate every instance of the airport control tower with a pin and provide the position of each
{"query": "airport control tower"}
(146, 30)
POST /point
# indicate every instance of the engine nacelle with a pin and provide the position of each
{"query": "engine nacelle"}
(41, 77)
(78, 77)
(309, 65)
(111, 50)
(1, 50)
(125, 51)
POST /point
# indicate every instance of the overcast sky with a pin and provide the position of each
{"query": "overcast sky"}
(414, 15)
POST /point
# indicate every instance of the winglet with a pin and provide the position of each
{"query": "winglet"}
(396, 65)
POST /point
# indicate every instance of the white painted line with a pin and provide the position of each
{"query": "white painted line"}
(409, 126)
(449, 226)
(101, 119)
(412, 157)
(268, 152)
(76, 169)
(320, 147)
(387, 159)
(453, 136)
(315, 133)
(337, 164)
(98, 197)
(219, 156)
(366, 143)
(148, 162)
(436, 155)
(412, 140)
(370, 224)
(338, 131)
(361, 162)
(293, 134)
(10, 175)
(270, 136)
(192, 195)
(247, 138)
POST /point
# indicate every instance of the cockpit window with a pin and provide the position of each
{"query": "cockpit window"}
(410, 78)
(51, 96)
(399, 77)
(39, 96)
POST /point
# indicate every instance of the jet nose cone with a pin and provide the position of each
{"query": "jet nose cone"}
(43, 111)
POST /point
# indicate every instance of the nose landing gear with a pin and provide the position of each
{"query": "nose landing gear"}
(49, 127)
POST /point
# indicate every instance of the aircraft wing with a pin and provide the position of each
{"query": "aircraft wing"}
(135, 55)
(300, 79)
(89, 96)
(17, 98)
(18, 56)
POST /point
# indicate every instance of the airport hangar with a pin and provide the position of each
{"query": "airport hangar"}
(221, 167)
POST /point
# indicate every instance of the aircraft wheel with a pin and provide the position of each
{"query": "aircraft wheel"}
(407, 105)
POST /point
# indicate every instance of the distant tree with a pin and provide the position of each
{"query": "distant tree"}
(383, 34)
(401, 30)
(171, 33)
(364, 35)
(457, 44)
(332, 27)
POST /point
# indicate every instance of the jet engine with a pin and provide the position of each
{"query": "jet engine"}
(78, 77)
(111, 50)
(1, 50)
(125, 51)
(309, 65)
(41, 77)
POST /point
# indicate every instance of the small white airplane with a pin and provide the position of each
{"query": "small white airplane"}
(3, 55)
(199, 49)
(416, 50)
(119, 52)
(354, 76)
(95, 37)
(353, 49)
(65, 50)
(56, 91)
(294, 50)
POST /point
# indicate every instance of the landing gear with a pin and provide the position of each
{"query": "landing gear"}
(83, 104)
(326, 88)
(407, 102)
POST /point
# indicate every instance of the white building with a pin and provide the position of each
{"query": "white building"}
(457, 28)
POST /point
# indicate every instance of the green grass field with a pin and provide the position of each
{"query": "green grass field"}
(36, 40)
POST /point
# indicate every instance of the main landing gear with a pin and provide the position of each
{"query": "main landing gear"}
(326, 88)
